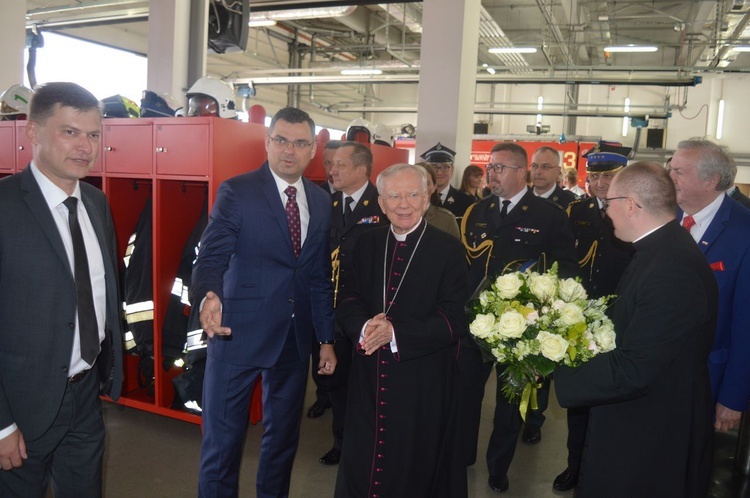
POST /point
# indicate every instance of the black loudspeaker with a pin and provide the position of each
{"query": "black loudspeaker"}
(227, 29)
(481, 128)
(655, 138)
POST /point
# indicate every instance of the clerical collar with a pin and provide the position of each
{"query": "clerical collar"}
(402, 237)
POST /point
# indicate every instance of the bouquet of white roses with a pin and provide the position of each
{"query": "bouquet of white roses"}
(532, 322)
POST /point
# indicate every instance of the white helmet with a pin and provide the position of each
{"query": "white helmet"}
(359, 131)
(15, 100)
(211, 97)
(382, 134)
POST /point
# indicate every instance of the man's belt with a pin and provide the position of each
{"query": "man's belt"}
(78, 377)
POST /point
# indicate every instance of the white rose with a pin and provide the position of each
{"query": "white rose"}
(571, 314)
(552, 346)
(482, 326)
(532, 318)
(570, 290)
(484, 298)
(508, 285)
(605, 337)
(558, 304)
(543, 286)
(511, 324)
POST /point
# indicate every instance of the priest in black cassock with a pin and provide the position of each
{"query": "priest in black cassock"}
(405, 314)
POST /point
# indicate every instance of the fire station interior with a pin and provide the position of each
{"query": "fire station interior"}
(468, 73)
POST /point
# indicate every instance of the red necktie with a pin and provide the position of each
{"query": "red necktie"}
(292, 218)
(688, 222)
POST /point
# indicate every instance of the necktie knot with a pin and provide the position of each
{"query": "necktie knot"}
(688, 222)
(504, 209)
(72, 204)
(291, 192)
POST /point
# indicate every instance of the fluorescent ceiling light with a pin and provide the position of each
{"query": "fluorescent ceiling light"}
(361, 72)
(512, 50)
(491, 70)
(296, 14)
(630, 48)
(260, 23)
(743, 48)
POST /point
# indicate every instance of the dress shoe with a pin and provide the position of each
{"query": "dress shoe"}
(531, 434)
(567, 480)
(331, 458)
(318, 409)
(499, 484)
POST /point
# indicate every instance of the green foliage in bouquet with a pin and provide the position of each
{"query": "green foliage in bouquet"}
(532, 322)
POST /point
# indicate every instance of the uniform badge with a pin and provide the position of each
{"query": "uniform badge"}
(335, 203)
(524, 208)
(366, 202)
(492, 205)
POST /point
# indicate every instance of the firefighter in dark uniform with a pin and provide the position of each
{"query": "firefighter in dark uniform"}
(510, 227)
(355, 210)
(446, 196)
(603, 258)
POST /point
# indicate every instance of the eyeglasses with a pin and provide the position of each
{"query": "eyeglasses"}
(411, 197)
(594, 177)
(543, 167)
(607, 200)
(498, 167)
(441, 166)
(282, 143)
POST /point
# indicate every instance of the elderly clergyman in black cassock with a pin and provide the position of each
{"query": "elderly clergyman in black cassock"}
(650, 422)
(405, 314)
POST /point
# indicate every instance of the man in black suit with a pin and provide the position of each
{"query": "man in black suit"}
(603, 258)
(545, 171)
(650, 424)
(58, 300)
(456, 201)
(508, 228)
(328, 153)
(738, 196)
(355, 210)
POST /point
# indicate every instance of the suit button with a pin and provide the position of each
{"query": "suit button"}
(72, 325)
(291, 300)
(64, 369)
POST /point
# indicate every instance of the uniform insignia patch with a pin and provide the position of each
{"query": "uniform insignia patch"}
(527, 230)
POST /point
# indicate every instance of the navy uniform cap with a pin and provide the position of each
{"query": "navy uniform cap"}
(606, 156)
(439, 154)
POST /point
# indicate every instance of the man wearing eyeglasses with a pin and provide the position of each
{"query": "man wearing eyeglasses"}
(603, 258)
(263, 278)
(545, 171)
(446, 196)
(649, 431)
(503, 231)
(702, 172)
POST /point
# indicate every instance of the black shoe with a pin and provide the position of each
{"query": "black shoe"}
(499, 484)
(331, 458)
(318, 409)
(531, 434)
(567, 480)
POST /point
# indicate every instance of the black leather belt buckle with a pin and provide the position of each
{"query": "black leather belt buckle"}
(78, 377)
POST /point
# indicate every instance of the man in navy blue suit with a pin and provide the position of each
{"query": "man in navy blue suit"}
(263, 277)
(702, 171)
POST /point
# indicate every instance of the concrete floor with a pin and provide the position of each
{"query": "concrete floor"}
(153, 456)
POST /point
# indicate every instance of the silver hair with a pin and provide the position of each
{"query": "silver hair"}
(400, 168)
(714, 160)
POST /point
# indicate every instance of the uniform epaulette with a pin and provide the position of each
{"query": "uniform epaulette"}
(552, 203)
(574, 203)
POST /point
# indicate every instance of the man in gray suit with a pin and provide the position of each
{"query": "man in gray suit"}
(60, 337)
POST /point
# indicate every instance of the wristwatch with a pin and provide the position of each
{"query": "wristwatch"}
(327, 342)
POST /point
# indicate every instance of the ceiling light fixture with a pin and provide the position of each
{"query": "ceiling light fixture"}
(741, 48)
(491, 70)
(361, 72)
(512, 50)
(261, 23)
(630, 48)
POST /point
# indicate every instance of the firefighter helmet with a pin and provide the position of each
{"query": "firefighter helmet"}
(211, 97)
(15, 101)
(118, 106)
(359, 131)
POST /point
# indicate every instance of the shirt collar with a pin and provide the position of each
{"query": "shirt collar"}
(356, 195)
(53, 195)
(547, 193)
(704, 217)
(282, 184)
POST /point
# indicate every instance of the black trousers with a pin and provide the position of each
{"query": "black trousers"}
(69, 455)
(578, 422)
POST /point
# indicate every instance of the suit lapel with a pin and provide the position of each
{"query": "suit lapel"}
(97, 221)
(39, 208)
(271, 193)
(717, 225)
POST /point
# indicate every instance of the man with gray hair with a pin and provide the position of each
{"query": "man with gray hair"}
(404, 313)
(702, 171)
(649, 431)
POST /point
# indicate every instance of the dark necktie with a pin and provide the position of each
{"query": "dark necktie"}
(688, 222)
(347, 208)
(292, 218)
(504, 210)
(87, 326)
